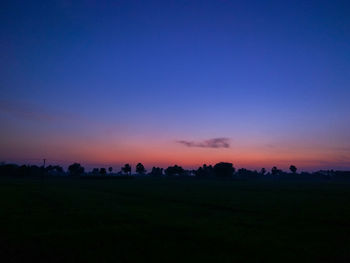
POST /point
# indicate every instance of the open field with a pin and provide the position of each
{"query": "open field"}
(174, 220)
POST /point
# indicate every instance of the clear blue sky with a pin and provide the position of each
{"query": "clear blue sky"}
(104, 82)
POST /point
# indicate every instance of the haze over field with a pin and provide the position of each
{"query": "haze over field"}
(256, 83)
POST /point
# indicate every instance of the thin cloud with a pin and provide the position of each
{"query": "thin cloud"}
(210, 143)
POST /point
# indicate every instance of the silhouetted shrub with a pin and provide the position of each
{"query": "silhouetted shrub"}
(275, 171)
(54, 170)
(174, 170)
(224, 169)
(205, 171)
(293, 169)
(103, 171)
(76, 169)
(126, 169)
(247, 173)
(156, 171)
(140, 169)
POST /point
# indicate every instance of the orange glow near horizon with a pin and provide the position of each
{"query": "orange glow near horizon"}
(159, 155)
(109, 150)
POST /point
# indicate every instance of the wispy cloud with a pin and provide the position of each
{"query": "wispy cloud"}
(221, 142)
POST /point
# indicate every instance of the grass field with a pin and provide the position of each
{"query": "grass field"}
(174, 220)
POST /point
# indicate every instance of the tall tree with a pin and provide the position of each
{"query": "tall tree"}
(75, 169)
(127, 169)
(103, 171)
(293, 169)
(140, 169)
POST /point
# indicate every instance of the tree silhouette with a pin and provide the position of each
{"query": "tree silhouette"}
(51, 169)
(205, 171)
(110, 169)
(224, 169)
(58, 168)
(156, 171)
(247, 173)
(293, 169)
(275, 171)
(75, 169)
(103, 171)
(140, 169)
(174, 170)
(127, 169)
(220, 170)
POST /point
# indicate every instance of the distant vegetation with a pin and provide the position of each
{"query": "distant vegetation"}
(212, 214)
(219, 170)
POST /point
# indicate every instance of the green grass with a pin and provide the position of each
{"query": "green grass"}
(174, 220)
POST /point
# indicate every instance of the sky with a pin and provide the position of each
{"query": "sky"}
(104, 83)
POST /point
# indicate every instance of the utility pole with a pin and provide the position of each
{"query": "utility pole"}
(44, 162)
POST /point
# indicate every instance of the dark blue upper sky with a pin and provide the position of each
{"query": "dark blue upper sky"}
(272, 76)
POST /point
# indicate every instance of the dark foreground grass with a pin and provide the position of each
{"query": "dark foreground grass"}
(174, 220)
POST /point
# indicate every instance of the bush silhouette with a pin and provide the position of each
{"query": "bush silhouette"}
(174, 170)
(140, 169)
(293, 169)
(156, 171)
(103, 171)
(75, 169)
(205, 171)
(127, 169)
(275, 171)
(224, 169)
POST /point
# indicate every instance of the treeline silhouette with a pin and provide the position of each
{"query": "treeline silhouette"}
(219, 170)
